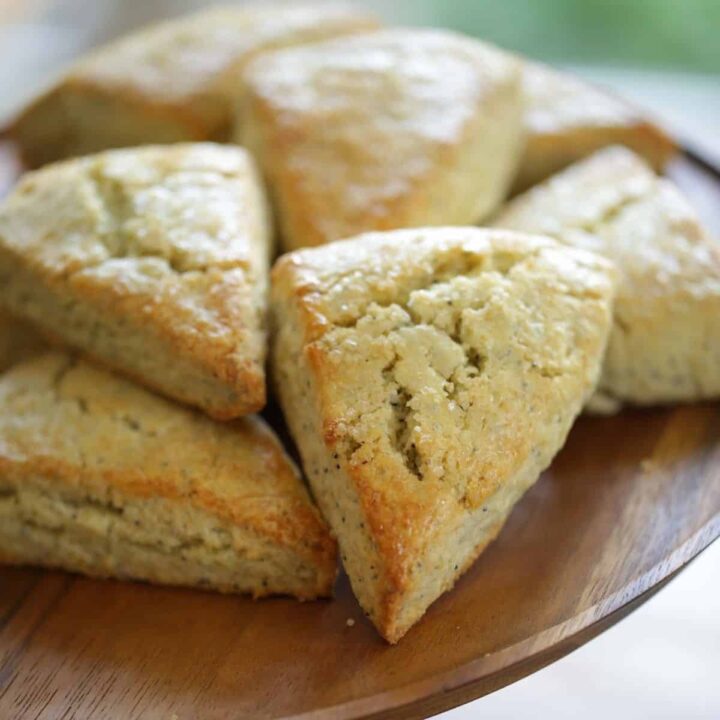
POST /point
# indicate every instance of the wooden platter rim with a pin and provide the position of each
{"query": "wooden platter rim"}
(472, 680)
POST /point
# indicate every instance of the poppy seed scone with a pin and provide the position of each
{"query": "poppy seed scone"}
(18, 341)
(100, 477)
(665, 343)
(383, 130)
(567, 119)
(428, 376)
(171, 82)
(152, 260)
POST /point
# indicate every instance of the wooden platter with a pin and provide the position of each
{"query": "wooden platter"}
(626, 505)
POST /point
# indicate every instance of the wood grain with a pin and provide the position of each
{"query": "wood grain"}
(627, 503)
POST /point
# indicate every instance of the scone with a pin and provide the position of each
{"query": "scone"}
(428, 377)
(665, 344)
(152, 260)
(567, 120)
(99, 476)
(18, 341)
(398, 128)
(170, 82)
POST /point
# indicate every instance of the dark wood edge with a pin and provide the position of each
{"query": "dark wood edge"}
(700, 158)
(437, 694)
(473, 691)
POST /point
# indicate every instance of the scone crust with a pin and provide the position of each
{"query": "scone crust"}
(665, 344)
(367, 132)
(93, 435)
(567, 120)
(169, 243)
(398, 339)
(170, 82)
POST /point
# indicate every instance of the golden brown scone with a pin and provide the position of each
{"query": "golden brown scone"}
(398, 128)
(428, 377)
(567, 119)
(18, 341)
(170, 82)
(152, 260)
(99, 476)
(665, 344)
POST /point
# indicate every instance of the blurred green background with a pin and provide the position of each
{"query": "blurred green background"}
(670, 34)
(664, 54)
(679, 35)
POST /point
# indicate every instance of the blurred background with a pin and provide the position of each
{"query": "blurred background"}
(663, 661)
(664, 54)
(667, 34)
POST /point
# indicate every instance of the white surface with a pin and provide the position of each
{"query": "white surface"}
(663, 662)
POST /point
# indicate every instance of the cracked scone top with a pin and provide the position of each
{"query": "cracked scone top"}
(397, 128)
(152, 260)
(567, 119)
(101, 477)
(665, 343)
(428, 376)
(170, 82)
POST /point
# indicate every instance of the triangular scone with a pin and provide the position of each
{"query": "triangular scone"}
(428, 376)
(99, 476)
(665, 344)
(171, 82)
(18, 341)
(567, 119)
(398, 128)
(154, 261)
